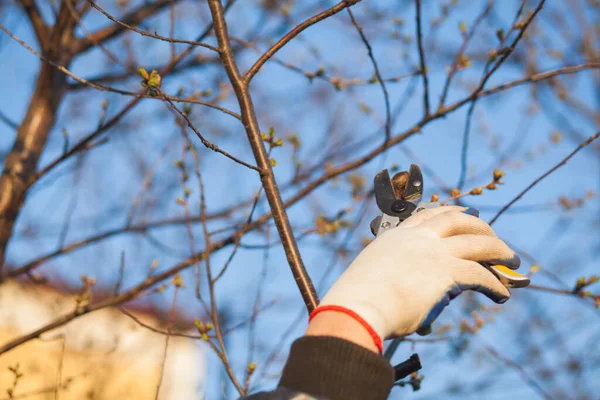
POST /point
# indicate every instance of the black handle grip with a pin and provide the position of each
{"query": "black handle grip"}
(404, 369)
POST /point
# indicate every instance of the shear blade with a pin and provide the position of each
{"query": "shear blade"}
(384, 192)
(414, 186)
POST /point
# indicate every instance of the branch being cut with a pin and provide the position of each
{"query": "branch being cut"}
(240, 86)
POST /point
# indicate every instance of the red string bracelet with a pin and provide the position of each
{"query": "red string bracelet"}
(355, 316)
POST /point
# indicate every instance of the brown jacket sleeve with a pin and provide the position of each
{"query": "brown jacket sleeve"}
(329, 368)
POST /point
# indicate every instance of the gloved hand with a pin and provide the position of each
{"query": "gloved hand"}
(403, 280)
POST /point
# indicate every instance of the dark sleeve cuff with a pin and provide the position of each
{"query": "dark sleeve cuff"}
(337, 369)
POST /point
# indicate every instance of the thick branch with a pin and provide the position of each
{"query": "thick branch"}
(21, 163)
(254, 137)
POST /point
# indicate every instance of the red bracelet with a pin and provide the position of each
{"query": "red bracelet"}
(356, 317)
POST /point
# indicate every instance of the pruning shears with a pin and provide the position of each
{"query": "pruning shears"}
(400, 197)
(397, 203)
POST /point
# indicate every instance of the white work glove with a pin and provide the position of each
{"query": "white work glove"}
(403, 280)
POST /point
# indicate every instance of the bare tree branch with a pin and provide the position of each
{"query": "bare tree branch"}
(205, 142)
(41, 30)
(4, 118)
(386, 96)
(422, 61)
(461, 51)
(538, 180)
(21, 163)
(293, 33)
(268, 180)
(141, 32)
(134, 17)
(506, 53)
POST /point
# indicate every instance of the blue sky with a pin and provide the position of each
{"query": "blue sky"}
(110, 179)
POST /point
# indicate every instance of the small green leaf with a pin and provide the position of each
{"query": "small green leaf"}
(155, 79)
(143, 73)
(273, 162)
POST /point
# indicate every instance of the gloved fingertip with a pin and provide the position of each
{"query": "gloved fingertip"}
(472, 211)
(512, 263)
(424, 331)
(502, 300)
(496, 297)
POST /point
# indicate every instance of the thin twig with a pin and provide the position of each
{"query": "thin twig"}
(41, 30)
(422, 61)
(113, 77)
(89, 36)
(134, 17)
(205, 142)
(538, 180)
(97, 86)
(238, 239)
(121, 274)
(386, 97)
(146, 185)
(461, 51)
(203, 219)
(465, 146)
(195, 337)
(60, 366)
(172, 29)
(321, 74)
(522, 372)
(167, 339)
(293, 33)
(507, 52)
(8, 121)
(152, 35)
(257, 300)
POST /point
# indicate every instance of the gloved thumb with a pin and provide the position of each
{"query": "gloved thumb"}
(470, 275)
